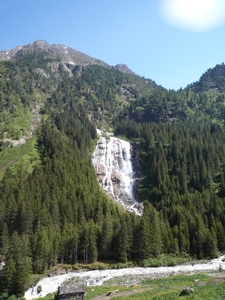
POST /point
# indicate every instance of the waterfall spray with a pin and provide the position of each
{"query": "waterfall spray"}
(112, 161)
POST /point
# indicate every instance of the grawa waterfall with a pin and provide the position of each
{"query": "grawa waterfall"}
(112, 161)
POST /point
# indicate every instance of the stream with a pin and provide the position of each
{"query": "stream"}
(98, 277)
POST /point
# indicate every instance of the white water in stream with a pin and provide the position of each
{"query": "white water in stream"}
(112, 161)
(98, 277)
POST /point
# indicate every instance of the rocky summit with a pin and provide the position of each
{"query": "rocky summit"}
(60, 52)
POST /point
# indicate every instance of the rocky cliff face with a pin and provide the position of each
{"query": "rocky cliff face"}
(112, 161)
(124, 68)
(60, 52)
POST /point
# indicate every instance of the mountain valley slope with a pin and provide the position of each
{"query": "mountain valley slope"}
(52, 209)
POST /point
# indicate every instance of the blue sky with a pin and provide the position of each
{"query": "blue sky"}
(172, 42)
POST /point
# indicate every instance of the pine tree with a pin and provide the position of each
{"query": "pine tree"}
(122, 242)
(7, 276)
(107, 236)
(41, 249)
(93, 256)
(4, 240)
(211, 245)
(150, 232)
(18, 266)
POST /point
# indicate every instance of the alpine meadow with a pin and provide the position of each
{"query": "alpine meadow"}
(53, 210)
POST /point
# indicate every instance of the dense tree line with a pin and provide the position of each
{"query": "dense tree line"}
(166, 106)
(58, 214)
(102, 91)
(183, 164)
(212, 79)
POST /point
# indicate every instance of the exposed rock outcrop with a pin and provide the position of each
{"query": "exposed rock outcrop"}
(62, 53)
(124, 68)
(58, 51)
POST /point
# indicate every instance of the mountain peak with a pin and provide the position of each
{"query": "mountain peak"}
(58, 51)
(40, 44)
(124, 68)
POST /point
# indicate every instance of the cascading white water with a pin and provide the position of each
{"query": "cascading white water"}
(112, 162)
(98, 277)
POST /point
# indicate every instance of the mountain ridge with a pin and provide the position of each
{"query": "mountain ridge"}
(52, 209)
(208, 81)
(59, 51)
(211, 80)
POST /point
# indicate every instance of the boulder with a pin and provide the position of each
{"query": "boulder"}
(186, 291)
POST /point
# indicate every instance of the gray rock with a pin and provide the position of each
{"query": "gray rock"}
(60, 52)
(65, 54)
(186, 291)
(124, 68)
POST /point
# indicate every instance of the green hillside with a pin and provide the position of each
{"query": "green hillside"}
(52, 209)
(212, 79)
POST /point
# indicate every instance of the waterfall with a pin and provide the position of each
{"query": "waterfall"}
(112, 161)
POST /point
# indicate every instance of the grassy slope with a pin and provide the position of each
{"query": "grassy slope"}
(25, 155)
(206, 287)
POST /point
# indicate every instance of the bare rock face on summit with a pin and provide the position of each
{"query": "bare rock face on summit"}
(64, 54)
(68, 54)
(124, 68)
(58, 51)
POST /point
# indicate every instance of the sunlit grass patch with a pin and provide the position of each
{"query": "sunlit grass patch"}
(169, 288)
(25, 155)
(103, 290)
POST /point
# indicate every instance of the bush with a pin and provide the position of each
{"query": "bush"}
(119, 266)
(5, 296)
(163, 261)
(98, 266)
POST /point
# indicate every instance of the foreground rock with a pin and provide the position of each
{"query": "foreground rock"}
(187, 291)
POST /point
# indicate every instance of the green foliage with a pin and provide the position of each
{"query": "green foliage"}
(103, 290)
(183, 173)
(212, 79)
(49, 297)
(98, 266)
(170, 288)
(164, 260)
(17, 269)
(56, 224)
(167, 106)
(150, 232)
(52, 209)
(23, 86)
(23, 157)
(5, 296)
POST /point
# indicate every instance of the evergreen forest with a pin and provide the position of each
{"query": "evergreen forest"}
(52, 209)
